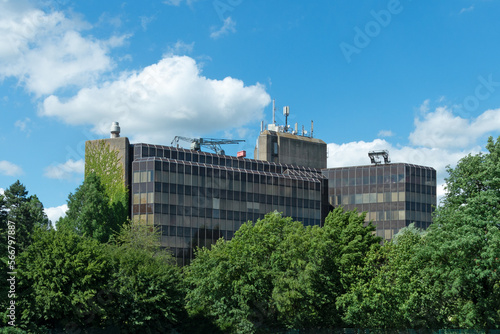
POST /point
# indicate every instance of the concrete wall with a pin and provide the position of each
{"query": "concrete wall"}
(287, 148)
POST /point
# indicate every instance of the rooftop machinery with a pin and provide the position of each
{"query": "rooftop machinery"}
(214, 144)
(274, 126)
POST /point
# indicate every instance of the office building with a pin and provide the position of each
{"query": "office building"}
(393, 195)
(195, 197)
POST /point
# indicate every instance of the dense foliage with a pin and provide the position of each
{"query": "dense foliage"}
(90, 213)
(71, 282)
(23, 214)
(277, 273)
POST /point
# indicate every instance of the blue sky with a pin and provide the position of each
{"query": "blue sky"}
(421, 79)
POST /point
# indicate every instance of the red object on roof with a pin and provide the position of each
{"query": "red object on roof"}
(241, 154)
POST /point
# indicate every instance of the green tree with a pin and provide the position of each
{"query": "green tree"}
(277, 273)
(390, 294)
(74, 283)
(63, 282)
(89, 213)
(232, 282)
(24, 212)
(344, 242)
(146, 283)
(464, 243)
(449, 276)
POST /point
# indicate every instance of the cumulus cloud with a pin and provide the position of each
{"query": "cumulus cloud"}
(10, 169)
(56, 212)
(66, 170)
(442, 129)
(229, 26)
(47, 51)
(163, 100)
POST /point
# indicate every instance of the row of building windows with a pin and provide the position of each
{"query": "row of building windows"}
(164, 152)
(226, 185)
(179, 176)
(209, 191)
(386, 174)
(387, 197)
(381, 188)
(224, 223)
(379, 216)
(237, 213)
(392, 206)
(413, 171)
(203, 197)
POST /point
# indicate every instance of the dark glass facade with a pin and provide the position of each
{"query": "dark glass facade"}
(197, 197)
(392, 195)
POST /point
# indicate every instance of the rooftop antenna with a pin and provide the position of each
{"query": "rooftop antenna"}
(286, 112)
(274, 112)
(312, 128)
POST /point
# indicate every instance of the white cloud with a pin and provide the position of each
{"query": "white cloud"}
(385, 133)
(163, 100)
(56, 212)
(10, 169)
(464, 10)
(443, 129)
(66, 170)
(47, 51)
(2, 191)
(228, 27)
(180, 48)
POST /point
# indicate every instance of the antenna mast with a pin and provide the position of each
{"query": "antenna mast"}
(274, 113)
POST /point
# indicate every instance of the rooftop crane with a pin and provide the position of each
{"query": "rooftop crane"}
(375, 156)
(214, 144)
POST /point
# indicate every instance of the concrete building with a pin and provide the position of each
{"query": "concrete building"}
(393, 195)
